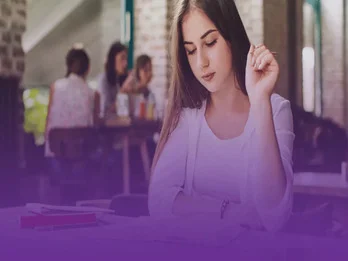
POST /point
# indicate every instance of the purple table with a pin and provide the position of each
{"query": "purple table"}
(98, 244)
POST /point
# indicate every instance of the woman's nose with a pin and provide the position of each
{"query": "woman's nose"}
(202, 60)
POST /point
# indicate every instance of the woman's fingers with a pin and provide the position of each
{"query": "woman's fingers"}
(258, 50)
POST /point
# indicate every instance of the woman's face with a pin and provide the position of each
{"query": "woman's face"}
(208, 54)
(121, 62)
(145, 73)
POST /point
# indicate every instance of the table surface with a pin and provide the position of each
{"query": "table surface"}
(126, 121)
(321, 184)
(109, 242)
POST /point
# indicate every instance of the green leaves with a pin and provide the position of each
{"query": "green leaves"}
(36, 105)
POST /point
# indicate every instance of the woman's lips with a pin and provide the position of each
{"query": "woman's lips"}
(208, 77)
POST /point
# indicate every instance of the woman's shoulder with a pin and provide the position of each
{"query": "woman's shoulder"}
(192, 115)
(61, 82)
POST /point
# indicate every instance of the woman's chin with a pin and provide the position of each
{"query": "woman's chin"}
(211, 88)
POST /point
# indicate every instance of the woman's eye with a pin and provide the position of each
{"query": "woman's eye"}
(191, 52)
(211, 43)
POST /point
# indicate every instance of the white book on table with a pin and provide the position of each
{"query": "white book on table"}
(48, 209)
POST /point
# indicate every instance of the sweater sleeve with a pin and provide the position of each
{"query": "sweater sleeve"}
(275, 218)
(169, 173)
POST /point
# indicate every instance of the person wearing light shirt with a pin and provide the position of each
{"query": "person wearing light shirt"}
(225, 149)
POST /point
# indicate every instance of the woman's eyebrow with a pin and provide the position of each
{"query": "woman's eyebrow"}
(203, 35)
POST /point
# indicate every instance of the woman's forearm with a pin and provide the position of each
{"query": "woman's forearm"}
(187, 205)
(234, 213)
(269, 178)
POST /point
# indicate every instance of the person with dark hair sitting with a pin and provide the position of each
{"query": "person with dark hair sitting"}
(137, 87)
(72, 103)
(143, 74)
(320, 144)
(115, 79)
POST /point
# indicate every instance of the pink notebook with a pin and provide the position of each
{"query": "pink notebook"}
(50, 216)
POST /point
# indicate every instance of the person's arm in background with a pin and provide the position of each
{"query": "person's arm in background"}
(102, 91)
(50, 101)
(96, 109)
(128, 85)
(131, 85)
(141, 89)
(104, 108)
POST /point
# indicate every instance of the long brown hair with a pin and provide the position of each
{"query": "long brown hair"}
(111, 75)
(185, 90)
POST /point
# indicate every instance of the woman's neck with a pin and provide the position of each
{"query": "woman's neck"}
(82, 77)
(227, 101)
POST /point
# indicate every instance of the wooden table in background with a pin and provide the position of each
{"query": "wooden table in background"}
(129, 131)
(321, 184)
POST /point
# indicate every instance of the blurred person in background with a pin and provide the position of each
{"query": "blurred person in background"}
(143, 73)
(72, 103)
(114, 79)
(138, 87)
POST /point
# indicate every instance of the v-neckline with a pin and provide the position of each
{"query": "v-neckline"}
(218, 138)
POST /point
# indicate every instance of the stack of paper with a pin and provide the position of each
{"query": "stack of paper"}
(52, 209)
(49, 216)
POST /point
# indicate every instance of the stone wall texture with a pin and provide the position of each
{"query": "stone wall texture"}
(12, 27)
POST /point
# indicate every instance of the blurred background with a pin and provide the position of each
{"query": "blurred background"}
(310, 37)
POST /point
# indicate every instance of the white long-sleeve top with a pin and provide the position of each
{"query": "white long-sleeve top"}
(195, 162)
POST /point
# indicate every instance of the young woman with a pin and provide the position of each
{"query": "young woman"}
(139, 87)
(115, 78)
(143, 73)
(225, 149)
(72, 103)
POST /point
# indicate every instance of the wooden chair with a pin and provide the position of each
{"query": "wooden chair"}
(72, 147)
(142, 131)
(73, 143)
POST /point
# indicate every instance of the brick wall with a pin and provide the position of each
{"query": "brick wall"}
(12, 27)
(276, 39)
(266, 22)
(151, 37)
(170, 10)
(251, 12)
(332, 58)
